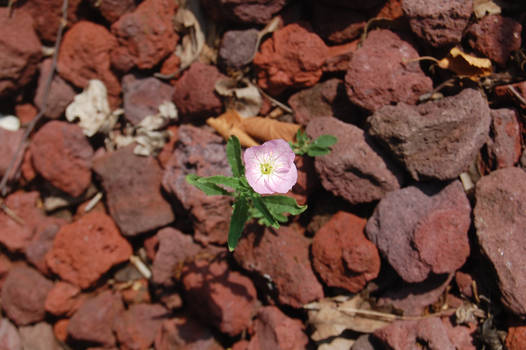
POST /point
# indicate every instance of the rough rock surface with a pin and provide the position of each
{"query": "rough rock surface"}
(112, 10)
(355, 5)
(62, 155)
(283, 256)
(133, 196)
(61, 94)
(516, 338)
(9, 337)
(24, 294)
(422, 229)
(505, 147)
(20, 51)
(145, 36)
(194, 95)
(337, 25)
(9, 141)
(85, 249)
(203, 153)
(495, 37)
(94, 320)
(379, 75)
(41, 243)
(438, 23)
(39, 337)
(500, 222)
(355, 169)
(137, 327)
(437, 139)
(342, 256)
(185, 333)
(255, 11)
(63, 299)
(292, 58)
(237, 48)
(227, 299)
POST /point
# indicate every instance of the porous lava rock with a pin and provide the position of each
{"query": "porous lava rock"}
(20, 51)
(86, 249)
(64, 299)
(282, 256)
(112, 10)
(137, 327)
(42, 241)
(133, 196)
(437, 139)
(254, 11)
(504, 149)
(355, 5)
(342, 256)
(9, 141)
(421, 229)
(380, 73)
(24, 294)
(335, 24)
(184, 332)
(356, 169)
(238, 47)
(438, 23)
(500, 222)
(516, 338)
(292, 58)
(200, 152)
(62, 155)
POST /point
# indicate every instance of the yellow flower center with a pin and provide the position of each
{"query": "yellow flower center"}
(266, 168)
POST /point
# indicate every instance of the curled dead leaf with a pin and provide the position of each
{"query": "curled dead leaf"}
(228, 124)
(483, 8)
(241, 96)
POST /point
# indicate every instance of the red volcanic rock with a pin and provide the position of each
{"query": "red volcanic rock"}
(282, 256)
(20, 51)
(379, 75)
(137, 327)
(495, 37)
(9, 337)
(25, 112)
(93, 322)
(145, 36)
(64, 299)
(9, 142)
(292, 58)
(337, 25)
(254, 11)
(112, 10)
(47, 16)
(185, 333)
(238, 48)
(42, 242)
(62, 154)
(87, 248)
(85, 55)
(223, 298)
(505, 147)
(195, 95)
(516, 338)
(134, 196)
(342, 256)
(23, 295)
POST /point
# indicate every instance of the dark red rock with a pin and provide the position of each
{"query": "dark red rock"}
(437, 139)
(62, 155)
(39, 337)
(516, 338)
(86, 249)
(85, 55)
(139, 293)
(283, 257)
(423, 228)
(505, 147)
(174, 248)
(438, 23)
(185, 333)
(326, 99)
(9, 337)
(342, 256)
(356, 168)
(238, 47)
(112, 10)
(20, 51)
(143, 96)
(500, 222)
(495, 37)
(94, 320)
(379, 75)
(222, 298)
(5, 266)
(292, 58)
(335, 24)
(137, 327)
(255, 11)
(461, 336)
(274, 330)
(61, 94)
(24, 294)
(307, 181)
(64, 299)
(338, 58)
(195, 95)
(505, 94)
(464, 283)
(145, 36)
(9, 142)
(60, 329)
(203, 153)
(47, 16)
(25, 112)
(355, 5)
(42, 242)
(133, 196)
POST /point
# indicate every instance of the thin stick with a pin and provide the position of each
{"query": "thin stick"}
(23, 143)
(517, 95)
(274, 101)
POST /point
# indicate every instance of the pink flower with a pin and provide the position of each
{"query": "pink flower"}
(270, 167)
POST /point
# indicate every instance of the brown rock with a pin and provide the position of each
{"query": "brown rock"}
(24, 294)
(47, 16)
(341, 254)
(64, 299)
(505, 147)
(42, 242)
(39, 337)
(112, 10)
(25, 112)
(337, 25)
(222, 298)
(133, 196)
(20, 51)
(289, 270)
(87, 248)
(9, 142)
(238, 48)
(379, 75)
(9, 337)
(94, 320)
(137, 327)
(146, 35)
(356, 169)
(62, 155)
(516, 338)
(185, 333)
(256, 11)
(60, 329)
(5, 266)
(292, 58)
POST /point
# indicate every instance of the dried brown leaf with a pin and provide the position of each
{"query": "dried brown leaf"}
(266, 129)
(483, 8)
(465, 65)
(241, 96)
(228, 124)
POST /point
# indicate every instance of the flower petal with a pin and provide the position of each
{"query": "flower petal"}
(282, 182)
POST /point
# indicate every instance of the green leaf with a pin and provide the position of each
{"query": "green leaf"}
(237, 222)
(325, 141)
(208, 188)
(266, 214)
(233, 154)
(231, 182)
(283, 204)
(314, 151)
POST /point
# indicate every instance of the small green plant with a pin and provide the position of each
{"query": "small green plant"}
(318, 147)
